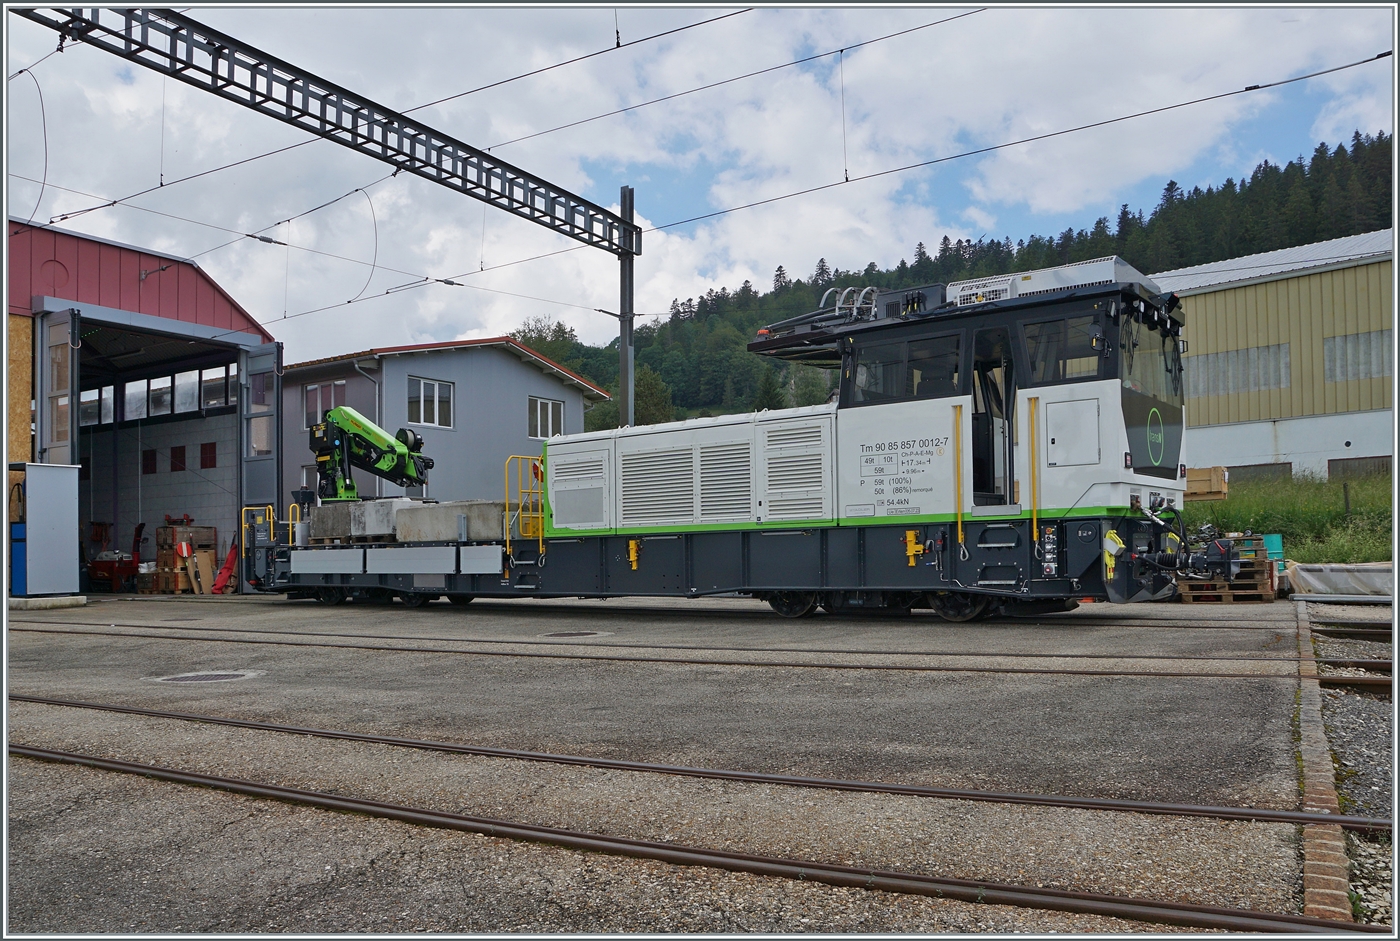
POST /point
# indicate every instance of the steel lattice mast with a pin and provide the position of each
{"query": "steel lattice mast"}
(175, 45)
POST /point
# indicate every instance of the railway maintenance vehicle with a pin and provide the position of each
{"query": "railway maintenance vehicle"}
(1004, 444)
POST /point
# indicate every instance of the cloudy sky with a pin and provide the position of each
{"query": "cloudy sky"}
(997, 75)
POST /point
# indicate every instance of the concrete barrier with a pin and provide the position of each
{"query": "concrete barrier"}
(474, 520)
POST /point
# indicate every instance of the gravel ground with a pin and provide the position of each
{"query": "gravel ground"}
(1226, 863)
(1327, 613)
(1372, 876)
(1360, 730)
(142, 856)
(1349, 649)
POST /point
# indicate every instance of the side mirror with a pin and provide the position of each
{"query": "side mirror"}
(1098, 343)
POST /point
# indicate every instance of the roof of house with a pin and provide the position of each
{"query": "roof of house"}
(41, 263)
(1285, 262)
(510, 344)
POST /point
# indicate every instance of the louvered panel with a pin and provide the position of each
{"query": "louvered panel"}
(726, 481)
(795, 472)
(659, 486)
(578, 470)
(801, 437)
(801, 508)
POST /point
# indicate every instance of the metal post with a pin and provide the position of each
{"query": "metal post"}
(626, 400)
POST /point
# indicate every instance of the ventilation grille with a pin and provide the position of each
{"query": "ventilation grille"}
(794, 472)
(802, 508)
(977, 292)
(578, 470)
(802, 437)
(726, 481)
(658, 486)
(978, 297)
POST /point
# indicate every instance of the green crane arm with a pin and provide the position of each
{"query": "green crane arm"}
(345, 439)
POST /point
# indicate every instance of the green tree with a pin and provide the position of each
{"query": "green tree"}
(548, 337)
(652, 407)
(769, 394)
(809, 385)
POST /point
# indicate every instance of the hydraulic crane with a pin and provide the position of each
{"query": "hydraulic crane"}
(345, 439)
(185, 49)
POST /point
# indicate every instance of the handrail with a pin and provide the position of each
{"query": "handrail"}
(529, 488)
(1034, 401)
(293, 509)
(957, 471)
(243, 521)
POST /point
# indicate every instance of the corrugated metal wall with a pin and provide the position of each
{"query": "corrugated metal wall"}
(1331, 331)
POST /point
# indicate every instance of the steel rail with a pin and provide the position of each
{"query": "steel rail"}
(702, 647)
(1340, 681)
(679, 661)
(1261, 815)
(964, 890)
(1355, 633)
(537, 605)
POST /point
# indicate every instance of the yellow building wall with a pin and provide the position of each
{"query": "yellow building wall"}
(1301, 312)
(19, 372)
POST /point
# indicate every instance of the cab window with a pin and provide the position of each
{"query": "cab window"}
(1062, 350)
(923, 368)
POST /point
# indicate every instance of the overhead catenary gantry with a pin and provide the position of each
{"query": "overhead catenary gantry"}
(175, 45)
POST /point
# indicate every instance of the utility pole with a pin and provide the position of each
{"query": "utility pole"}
(626, 386)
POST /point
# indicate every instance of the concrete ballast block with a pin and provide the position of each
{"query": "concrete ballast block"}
(439, 522)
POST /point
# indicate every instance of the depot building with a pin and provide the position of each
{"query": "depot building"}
(1290, 359)
(141, 373)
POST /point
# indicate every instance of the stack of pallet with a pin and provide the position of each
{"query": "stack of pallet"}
(1254, 584)
(173, 572)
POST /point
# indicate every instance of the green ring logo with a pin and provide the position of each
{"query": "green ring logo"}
(1156, 439)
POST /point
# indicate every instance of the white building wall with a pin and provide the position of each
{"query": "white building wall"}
(1306, 443)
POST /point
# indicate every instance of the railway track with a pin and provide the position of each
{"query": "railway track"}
(706, 648)
(1371, 682)
(1333, 680)
(1265, 815)
(974, 891)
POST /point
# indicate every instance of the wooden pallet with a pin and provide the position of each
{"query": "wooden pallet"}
(1227, 597)
(1214, 588)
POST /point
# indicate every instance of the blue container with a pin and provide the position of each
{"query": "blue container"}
(19, 581)
(1273, 545)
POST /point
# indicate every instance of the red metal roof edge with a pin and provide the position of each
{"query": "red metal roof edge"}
(454, 344)
(154, 254)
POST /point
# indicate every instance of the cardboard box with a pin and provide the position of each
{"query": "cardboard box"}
(1207, 483)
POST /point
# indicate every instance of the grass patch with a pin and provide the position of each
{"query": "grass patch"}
(1310, 514)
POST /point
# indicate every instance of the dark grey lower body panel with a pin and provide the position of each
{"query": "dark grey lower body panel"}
(998, 559)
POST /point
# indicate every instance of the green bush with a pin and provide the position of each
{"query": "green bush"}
(1310, 514)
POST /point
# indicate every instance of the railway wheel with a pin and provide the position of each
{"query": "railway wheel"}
(957, 605)
(331, 595)
(793, 604)
(415, 599)
(460, 599)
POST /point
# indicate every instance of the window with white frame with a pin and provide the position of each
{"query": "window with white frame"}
(429, 402)
(320, 399)
(546, 418)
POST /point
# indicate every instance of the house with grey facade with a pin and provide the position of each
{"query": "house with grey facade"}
(475, 402)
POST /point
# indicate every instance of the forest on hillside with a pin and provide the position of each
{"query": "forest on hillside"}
(694, 362)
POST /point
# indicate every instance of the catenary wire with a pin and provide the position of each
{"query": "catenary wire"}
(44, 123)
(737, 78)
(270, 153)
(516, 78)
(1022, 141)
(869, 176)
(926, 163)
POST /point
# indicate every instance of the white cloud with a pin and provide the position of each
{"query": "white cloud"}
(981, 80)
